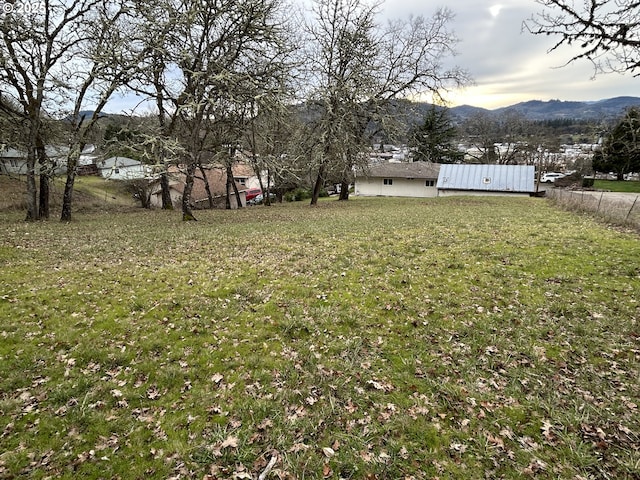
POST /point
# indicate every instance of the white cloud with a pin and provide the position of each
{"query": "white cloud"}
(510, 65)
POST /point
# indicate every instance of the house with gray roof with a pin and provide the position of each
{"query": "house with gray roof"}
(13, 161)
(468, 179)
(415, 179)
(123, 168)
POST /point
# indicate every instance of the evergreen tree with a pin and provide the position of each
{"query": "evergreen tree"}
(433, 140)
(620, 152)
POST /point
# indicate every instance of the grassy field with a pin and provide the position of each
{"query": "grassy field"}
(373, 339)
(615, 186)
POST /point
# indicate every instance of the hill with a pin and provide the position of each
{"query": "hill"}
(609, 108)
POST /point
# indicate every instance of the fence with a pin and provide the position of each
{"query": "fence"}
(617, 208)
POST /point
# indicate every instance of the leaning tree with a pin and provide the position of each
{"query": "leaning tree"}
(108, 55)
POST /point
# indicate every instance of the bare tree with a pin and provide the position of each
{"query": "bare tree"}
(55, 61)
(211, 59)
(607, 33)
(33, 47)
(496, 138)
(363, 67)
(101, 64)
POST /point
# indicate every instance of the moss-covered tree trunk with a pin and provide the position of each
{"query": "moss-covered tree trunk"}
(187, 214)
(32, 189)
(165, 189)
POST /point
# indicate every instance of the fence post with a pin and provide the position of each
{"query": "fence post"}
(599, 202)
(631, 209)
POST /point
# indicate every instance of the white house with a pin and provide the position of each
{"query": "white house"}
(123, 168)
(14, 161)
(415, 179)
(472, 179)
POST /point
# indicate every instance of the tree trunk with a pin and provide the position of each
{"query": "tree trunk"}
(344, 191)
(207, 187)
(317, 187)
(231, 182)
(167, 204)
(32, 191)
(266, 194)
(67, 197)
(44, 195)
(45, 174)
(187, 214)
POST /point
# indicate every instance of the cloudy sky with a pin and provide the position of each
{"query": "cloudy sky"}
(509, 65)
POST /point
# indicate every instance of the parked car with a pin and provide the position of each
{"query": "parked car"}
(253, 193)
(551, 177)
(258, 199)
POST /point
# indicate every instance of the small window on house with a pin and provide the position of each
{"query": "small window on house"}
(430, 183)
(241, 180)
(117, 170)
(388, 181)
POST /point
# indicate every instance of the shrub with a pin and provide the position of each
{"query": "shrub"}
(587, 182)
(569, 181)
(297, 195)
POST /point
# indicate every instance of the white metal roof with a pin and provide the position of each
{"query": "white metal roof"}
(490, 178)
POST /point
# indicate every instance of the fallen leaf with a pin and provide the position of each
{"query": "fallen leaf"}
(298, 447)
(328, 452)
(229, 442)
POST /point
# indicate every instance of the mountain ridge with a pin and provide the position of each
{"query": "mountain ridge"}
(605, 109)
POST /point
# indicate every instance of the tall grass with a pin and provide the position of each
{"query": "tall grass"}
(614, 209)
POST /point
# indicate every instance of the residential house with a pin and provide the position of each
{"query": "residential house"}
(123, 168)
(14, 161)
(473, 179)
(216, 176)
(244, 175)
(415, 179)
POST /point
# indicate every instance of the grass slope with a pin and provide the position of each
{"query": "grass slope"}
(378, 338)
(90, 194)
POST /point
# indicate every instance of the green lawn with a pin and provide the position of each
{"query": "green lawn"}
(373, 339)
(618, 186)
